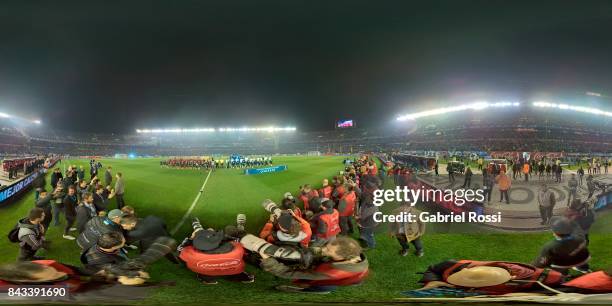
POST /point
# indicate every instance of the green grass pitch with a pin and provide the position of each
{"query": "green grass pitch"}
(169, 193)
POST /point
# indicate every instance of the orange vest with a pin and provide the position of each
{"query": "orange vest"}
(340, 191)
(326, 192)
(596, 281)
(350, 200)
(307, 197)
(214, 264)
(333, 224)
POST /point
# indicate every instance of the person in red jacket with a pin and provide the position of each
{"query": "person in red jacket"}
(289, 227)
(306, 195)
(326, 190)
(342, 263)
(339, 189)
(346, 210)
(327, 222)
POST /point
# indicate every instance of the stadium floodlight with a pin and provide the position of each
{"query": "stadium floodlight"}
(582, 109)
(209, 130)
(479, 105)
(37, 121)
(3, 115)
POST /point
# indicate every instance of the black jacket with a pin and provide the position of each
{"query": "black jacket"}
(95, 260)
(148, 229)
(45, 203)
(95, 228)
(70, 204)
(83, 215)
(55, 177)
(100, 201)
(563, 253)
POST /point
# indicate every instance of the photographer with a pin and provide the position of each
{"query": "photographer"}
(326, 190)
(44, 202)
(346, 209)
(106, 259)
(114, 221)
(288, 203)
(306, 195)
(327, 222)
(288, 228)
(211, 255)
(31, 235)
(342, 263)
(146, 231)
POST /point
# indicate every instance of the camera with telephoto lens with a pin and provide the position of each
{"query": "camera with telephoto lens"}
(271, 207)
(293, 255)
(196, 225)
(241, 221)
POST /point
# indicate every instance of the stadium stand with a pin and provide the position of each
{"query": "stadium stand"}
(508, 131)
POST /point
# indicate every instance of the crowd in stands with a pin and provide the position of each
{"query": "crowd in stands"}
(13, 167)
(473, 132)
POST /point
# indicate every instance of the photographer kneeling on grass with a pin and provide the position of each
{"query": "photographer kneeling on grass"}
(106, 259)
(317, 269)
(285, 226)
(212, 254)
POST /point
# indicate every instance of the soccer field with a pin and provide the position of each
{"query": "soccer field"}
(169, 193)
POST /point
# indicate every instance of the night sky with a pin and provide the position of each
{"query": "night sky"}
(120, 65)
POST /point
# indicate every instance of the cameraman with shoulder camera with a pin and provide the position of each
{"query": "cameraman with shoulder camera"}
(341, 263)
(211, 254)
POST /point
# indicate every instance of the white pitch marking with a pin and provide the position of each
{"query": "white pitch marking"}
(186, 215)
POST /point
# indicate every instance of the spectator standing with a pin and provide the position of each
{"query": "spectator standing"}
(85, 211)
(81, 174)
(580, 175)
(408, 232)
(546, 202)
(572, 184)
(468, 178)
(108, 176)
(70, 203)
(504, 183)
(119, 190)
(56, 177)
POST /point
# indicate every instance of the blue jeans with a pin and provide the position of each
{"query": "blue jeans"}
(367, 235)
(56, 213)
